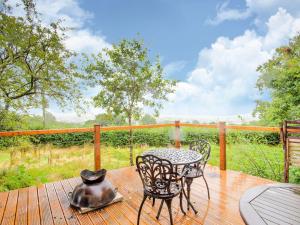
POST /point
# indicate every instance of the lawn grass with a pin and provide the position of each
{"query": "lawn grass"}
(47, 163)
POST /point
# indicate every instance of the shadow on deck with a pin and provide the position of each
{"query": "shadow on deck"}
(48, 204)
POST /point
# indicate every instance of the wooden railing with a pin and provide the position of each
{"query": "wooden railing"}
(98, 129)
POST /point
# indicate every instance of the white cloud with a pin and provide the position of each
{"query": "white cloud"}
(85, 41)
(223, 82)
(269, 7)
(281, 27)
(225, 13)
(261, 9)
(68, 10)
(79, 38)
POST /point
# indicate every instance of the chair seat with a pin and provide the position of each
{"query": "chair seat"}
(175, 189)
(194, 172)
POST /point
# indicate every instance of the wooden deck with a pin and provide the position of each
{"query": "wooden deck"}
(48, 204)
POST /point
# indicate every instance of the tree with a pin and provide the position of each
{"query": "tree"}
(34, 63)
(280, 77)
(49, 118)
(45, 105)
(128, 81)
(148, 119)
(195, 122)
(105, 119)
(12, 121)
(108, 119)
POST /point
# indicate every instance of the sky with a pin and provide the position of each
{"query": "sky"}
(212, 48)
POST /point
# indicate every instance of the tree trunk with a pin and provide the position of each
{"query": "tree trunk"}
(44, 105)
(130, 143)
(6, 106)
(44, 117)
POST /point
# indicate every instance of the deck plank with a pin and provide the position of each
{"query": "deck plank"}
(65, 205)
(3, 200)
(21, 214)
(57, 212)
(133, 196)
(44, 206)
(11, 207)
(33, 207)
(83, 219)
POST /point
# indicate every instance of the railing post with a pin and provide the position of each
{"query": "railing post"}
(283, 134)
(222, 143)
(97, 151)
(177, 134)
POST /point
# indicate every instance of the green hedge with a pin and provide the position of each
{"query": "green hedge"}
(6, 142)
(212, 135)
(151, 137)
(114, 138)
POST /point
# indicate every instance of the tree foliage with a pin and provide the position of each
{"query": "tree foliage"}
(128, 80)
(147, 119)
(105, 119)
(34, 63)
(280, 77)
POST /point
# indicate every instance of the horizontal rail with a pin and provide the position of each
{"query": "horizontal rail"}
(253, 128)
(291, 130)
(113, 128)
(78, 130)
(39, 132)
(136, 127)
(199, 125)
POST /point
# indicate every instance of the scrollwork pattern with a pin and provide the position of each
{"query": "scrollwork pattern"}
(157, 175)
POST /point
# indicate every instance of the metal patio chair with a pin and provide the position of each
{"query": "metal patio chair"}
(160, 181)
(197, 169)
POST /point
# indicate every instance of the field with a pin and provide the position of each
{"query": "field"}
(46, 163)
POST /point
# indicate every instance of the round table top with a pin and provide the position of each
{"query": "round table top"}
(264, 204)
(176, 156)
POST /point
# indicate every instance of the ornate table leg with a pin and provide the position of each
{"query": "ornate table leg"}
(188, 182)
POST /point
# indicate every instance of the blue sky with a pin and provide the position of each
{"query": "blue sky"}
(212, 47)
(175, 30)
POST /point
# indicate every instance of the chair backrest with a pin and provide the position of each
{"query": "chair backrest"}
(203, 147)
(290, 134)
(156, 174)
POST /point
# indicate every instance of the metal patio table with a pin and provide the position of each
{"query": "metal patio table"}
(178, 157)
(271, 204)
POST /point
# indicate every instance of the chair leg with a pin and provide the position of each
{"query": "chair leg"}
(188, 182)
(181, 207)
(188, 202)
(206, 187)
(169, 204)
(140, 210)
(160, 207)
(153, 202)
